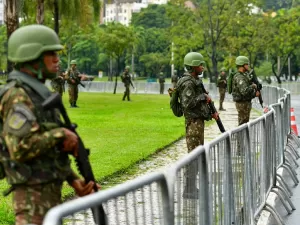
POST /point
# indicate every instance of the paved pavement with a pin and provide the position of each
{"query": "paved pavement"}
(294, 217)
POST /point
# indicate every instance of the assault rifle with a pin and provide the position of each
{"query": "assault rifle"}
(213, 110)
(82, 160)
(259, 86)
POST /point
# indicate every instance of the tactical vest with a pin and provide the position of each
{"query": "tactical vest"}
(201, 110)
(50, 166)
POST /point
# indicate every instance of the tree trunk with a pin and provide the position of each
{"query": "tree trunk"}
(56, 16)
(12, 23)
(40, 12)
(117, 74)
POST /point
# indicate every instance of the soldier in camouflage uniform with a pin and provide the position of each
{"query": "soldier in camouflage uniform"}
(126, 79)
(73, 78)
(243, 90)
(222, 84)
(58, 83)
(161, 80)
(193, 100)
(174, 78)
(35, 159)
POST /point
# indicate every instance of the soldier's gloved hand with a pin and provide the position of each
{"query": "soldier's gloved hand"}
(215, 115)
(70, 143)
(82, 189)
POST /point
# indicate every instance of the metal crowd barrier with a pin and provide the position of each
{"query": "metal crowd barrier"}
(230, 179)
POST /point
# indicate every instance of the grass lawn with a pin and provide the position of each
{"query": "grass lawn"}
(119, 134)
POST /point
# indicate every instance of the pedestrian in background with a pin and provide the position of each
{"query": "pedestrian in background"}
(243, 90)
(35, 159)
(193, 100)
(222, 85)
(126, 79)
(73, 78)
(174, 78)
(161, 80)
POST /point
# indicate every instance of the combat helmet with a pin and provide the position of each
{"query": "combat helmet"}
(29, 42)
(73, 62)
(241, 60)
(127, 67)
(223, 69)
(193, 59)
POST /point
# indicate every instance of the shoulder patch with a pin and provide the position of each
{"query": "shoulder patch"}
(19, 122)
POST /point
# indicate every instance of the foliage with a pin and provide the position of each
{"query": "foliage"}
(264, 70)
(3, 49)
(154, 63)
(154, 16)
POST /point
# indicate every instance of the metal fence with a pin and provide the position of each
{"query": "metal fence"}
(230, 178)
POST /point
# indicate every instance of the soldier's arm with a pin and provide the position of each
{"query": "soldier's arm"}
(24, 137)
(188, 96)
(245, 88)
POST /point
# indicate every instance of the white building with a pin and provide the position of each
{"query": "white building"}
(1, 12)
(123, 12)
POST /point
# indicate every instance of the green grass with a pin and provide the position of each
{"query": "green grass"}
(119, 134)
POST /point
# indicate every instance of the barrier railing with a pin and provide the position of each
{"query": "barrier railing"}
(226, 181)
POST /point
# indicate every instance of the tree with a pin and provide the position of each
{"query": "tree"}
(154, 63)
(12, 21)
(115, 39)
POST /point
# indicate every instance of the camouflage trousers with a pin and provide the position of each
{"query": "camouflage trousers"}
(73, 93)
(31, 203)
(161, 88)
(243, 109)
(222, 92)
(194, 129)
(126, 93)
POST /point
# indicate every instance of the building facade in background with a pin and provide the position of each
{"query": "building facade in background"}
(1, 12)
(121, 11)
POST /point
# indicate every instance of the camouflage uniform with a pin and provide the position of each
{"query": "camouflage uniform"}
(222, 84)
(242, 93)
(58, 83)
(193, 103)
(126, 79)
(73, 74)
(161, 80)
(34, 164)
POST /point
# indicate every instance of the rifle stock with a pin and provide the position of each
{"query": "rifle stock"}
(82, 160)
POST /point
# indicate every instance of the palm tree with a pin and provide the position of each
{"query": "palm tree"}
(12, 21)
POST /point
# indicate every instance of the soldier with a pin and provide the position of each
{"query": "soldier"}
(35, 159)
(58, 83)
(193, 100)
(243, 90)
(222, 84)
(174, 78)
(73, 78)
(126, 79)
(161, 80)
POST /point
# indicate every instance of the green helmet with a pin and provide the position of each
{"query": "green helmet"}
(161, 73)
(223, 69)
(241, 60)
(193, 59)
(127, 67)
(29, 42)
(73, 62)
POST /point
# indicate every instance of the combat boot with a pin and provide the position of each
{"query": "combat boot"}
(75, 106)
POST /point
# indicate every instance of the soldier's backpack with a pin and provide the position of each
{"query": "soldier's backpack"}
(174, 103)
(229, 82)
